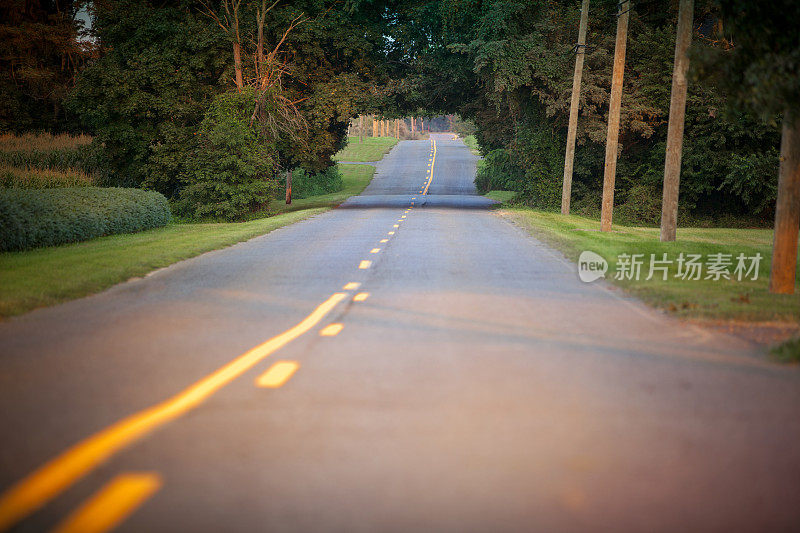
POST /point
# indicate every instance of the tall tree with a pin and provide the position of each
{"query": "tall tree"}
(760, 68)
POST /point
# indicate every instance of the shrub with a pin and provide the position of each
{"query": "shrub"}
(499, 173)
(46, 217)
(305, 183)
(232, 166)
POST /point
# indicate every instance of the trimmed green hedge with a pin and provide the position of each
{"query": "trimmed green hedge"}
(44, 217)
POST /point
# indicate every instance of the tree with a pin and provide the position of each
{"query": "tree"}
(41, 52)
(760, 68)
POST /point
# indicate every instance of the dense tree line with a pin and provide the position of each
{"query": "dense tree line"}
(159, 90)
(511, 65)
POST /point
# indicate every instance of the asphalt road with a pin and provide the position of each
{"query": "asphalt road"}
(475, 385)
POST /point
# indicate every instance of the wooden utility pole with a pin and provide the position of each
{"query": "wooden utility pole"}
(787, 209)
(612, 137)
(413, 125)
(360, 128)
(677, 113)
(374, 127)
(397, 128)
(569, 158)
(289, 186)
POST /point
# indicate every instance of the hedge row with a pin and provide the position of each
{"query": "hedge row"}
(46, 217)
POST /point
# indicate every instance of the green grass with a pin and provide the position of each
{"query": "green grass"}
(48, 276)
(372, 149)
(502, 196)
(472, 144)
(745, 300)
(787, 352)
(355, 178)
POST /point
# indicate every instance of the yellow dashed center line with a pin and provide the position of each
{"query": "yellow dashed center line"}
(363, 265)
(353, 285)
(361, 296)
(331, 330)
(112, 504)
(384, 240)
(60, 473)
(375, 250)
(277, 374)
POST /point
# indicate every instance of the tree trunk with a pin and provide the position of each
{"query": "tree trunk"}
(360, 128)
(677, 112)
(787, 209)
(237, 66)
(413, 125)
(612, 137)
(569, 158)
(289, 187)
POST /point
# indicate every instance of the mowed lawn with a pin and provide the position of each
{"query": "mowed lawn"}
(47, 276)
(746, 300)
(371, 149)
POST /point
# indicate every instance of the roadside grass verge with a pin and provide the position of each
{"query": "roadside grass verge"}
(746, 300)
(472, 144)
(355, 179)
(47, 276)
(787, 352)
(372, 149)
(502, 196)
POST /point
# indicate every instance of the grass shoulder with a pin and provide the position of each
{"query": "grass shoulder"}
(704, 299)
(47, 276)
(368, 149)
(55, 274)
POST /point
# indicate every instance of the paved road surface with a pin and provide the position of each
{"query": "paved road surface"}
(479, 387)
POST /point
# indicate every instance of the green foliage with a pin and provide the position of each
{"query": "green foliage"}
(499, 173)
(519, 56)
(787, 352)
(231, 169)
(144, 97)
(46, 217)
(757, 59)
(39, 57)
(305, 183)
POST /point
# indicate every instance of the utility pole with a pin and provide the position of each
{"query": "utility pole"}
(374, 126)
(569, 158)
(677, 113)
(413, 125)
(787, 208)
(289, 186)
(612, 137)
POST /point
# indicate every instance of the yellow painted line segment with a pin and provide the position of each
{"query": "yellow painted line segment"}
(363, 265)
(390, 233)
(331, 330)
(361, 296)
(375, 250)
(60, 473)
(112, 504)
(353, 285)
(433, 163)
(277, 374)
(384, 240)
